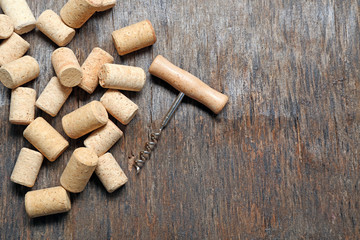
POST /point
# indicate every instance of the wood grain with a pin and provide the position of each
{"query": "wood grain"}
(281, 161)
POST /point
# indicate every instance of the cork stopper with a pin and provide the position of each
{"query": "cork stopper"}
(76, 12)
(27, 167)
(102, 139)
(85, 119)
(19, 72)
(110, 173)
(122, 77)
(6, 26)
(45, 138)
(20, 14)
(54, 28)
(12, 48)
(67, 67)
(53, 97)
(22, 106)
(79, 169)
(134, 37)
(47, 201)
(112, 99)
(91, 67)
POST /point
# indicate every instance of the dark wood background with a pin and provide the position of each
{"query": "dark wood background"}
(281, 161)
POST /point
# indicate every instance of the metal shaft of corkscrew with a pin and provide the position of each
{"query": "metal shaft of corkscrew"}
(149, 146)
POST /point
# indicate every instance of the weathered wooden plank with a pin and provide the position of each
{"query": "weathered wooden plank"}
(280, 161)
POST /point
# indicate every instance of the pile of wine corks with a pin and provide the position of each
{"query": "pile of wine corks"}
(92, 118)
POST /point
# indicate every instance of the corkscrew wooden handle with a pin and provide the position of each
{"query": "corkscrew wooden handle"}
(188, 84)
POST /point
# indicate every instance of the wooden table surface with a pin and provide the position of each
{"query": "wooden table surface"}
(281, 161)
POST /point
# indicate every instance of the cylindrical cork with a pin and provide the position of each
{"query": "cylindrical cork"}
(122, 77)
(22, 106)
(134, 37)
(76, 12)
(91, 67)
(85, 119)
(19, 72)
(20, 14)
(119, 106)
(106, 5)
(53, 97)
(67, 67)
(47, 201)
(110, 173)
(188, 84)
(79, 169)
(13, 48)
(27, 167)
(6, 26)
(45, 138)
(54, 28)
(102, 139)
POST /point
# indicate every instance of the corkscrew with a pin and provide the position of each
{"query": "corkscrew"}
(154, 137)
(187, 84)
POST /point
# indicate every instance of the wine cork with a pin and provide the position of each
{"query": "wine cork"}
(13, 48)
(67, 67)
(45, 139)
(47, 201)
(27, 167)
(19, 72)
(134, 37)
(22, 106)
(110, 173)
(102, 139)
(122, 77)
(91, 67)
(54, 28)
(6, 26)
(106, 5)
(85, 119)
(20, 14)
(119, 106)
(76, 12)
(79, 169)
(53, 97)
